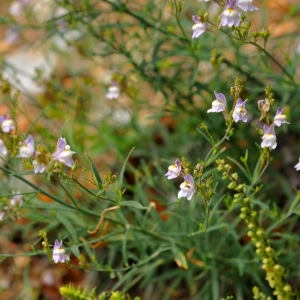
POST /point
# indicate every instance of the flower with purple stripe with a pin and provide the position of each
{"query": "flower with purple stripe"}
(269, 137)
(63, 153)
(187, 188)
(59, 253)
(231, 16)
(198, 28)
(240, 113)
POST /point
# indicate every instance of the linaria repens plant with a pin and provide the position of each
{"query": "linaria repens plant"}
(150, 147)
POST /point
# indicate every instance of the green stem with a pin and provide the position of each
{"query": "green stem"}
(37, 188)
(272, 58)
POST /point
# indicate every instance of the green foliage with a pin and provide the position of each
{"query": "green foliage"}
(114, 209)
(69, 292)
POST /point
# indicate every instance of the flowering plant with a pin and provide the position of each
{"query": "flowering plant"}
(152, 147)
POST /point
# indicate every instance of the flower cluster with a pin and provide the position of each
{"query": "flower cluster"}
(269, 136)
(41, 160)
(239, 112)
(230, 16)
(187, 187)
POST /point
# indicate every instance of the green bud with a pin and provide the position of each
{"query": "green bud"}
(278, 267)
(231, 185)
(220, 161)
(236, 201)
(227, 167)
(253, 213)
(265, 261)
(251, 225)
(287, 288)
(239, 187)
(220, 168)
(258, 245)
(259, 232)
(243, 216)
(268, 249)
(259, 252)
(244, 209)
(250, 233)
(235, 176)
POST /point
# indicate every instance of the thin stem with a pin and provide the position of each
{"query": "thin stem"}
(37, 188)
(272, 58)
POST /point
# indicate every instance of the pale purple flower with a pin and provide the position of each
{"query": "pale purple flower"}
(187, 188)
(7, 124)
(269, 137)
(280, 117)
(2, 215)
(3, 149)
(59, 253)
(113, 91)
(174, 170)
(230, 16)
(12, 34)
(246, 5)
(219, 104)
(27, 148)
(297, 166)
(38, 167)
(16, 200)
(63, 153)
(198, 28)
(240, 113)
(17, 6)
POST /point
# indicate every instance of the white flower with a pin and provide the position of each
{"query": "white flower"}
(38, 167)
(174, 170)
(11, 35)
(63, 153)
(246, 5)
(27, 149)
(2, 214)
(17, 6)
(219, 104)
(297, 166)
(269, 137)
(280, 117)
(198, 28)
(187, 188)
(59, 253)
(113, 91)
(7, 124)
(3, 149)
(240, 113)
(16, 200)
(230, 16)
